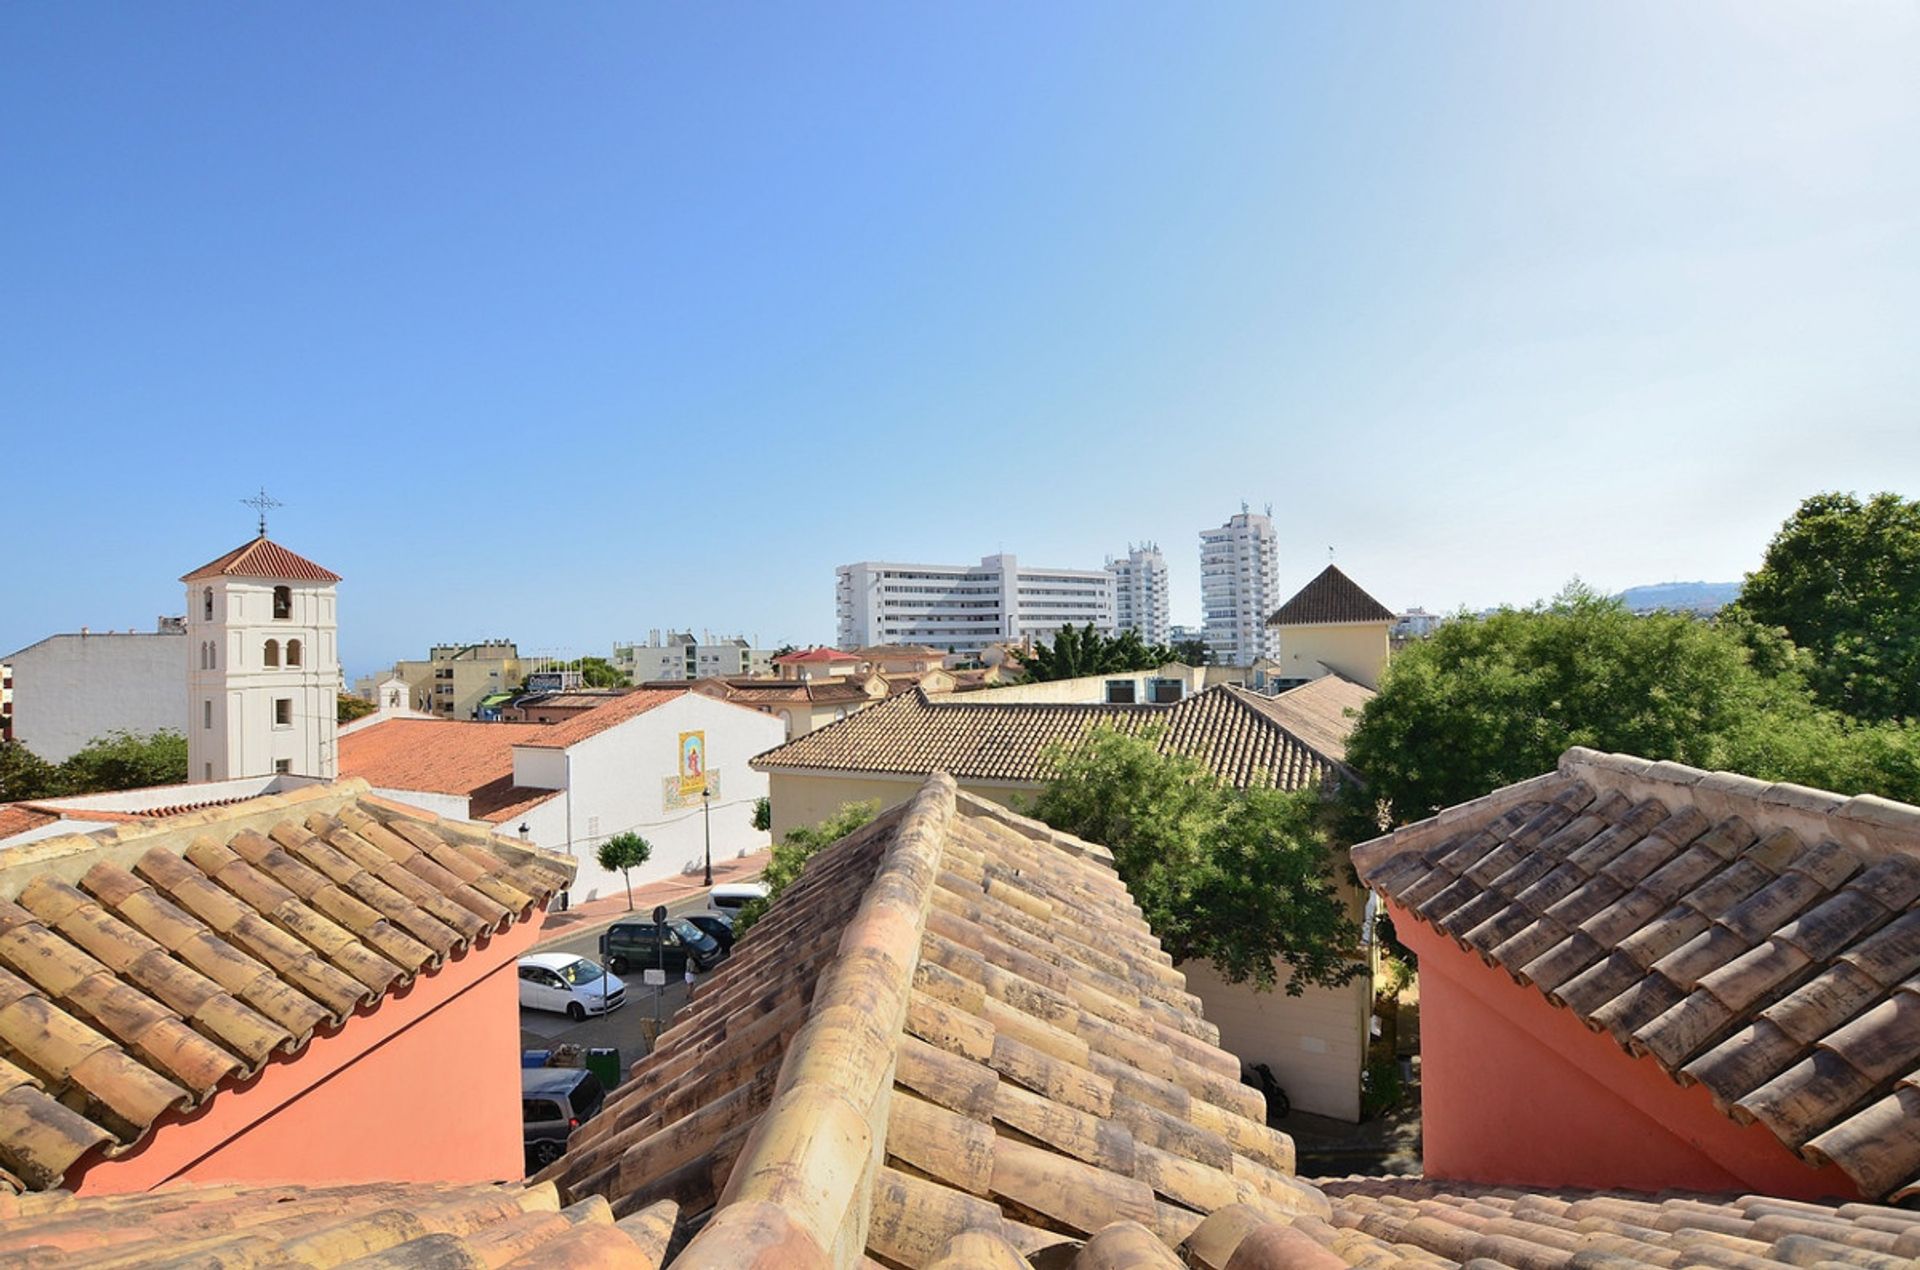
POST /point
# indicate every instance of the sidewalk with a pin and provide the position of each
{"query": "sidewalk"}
(669, 891)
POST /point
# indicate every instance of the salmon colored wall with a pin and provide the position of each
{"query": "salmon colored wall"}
(1515, 1090)
(425, 1088)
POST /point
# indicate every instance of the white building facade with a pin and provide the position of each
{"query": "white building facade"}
(965, 608)
(1140, 594)
(680, 656)
(1239, 584)
(70, 689)
(263, 666)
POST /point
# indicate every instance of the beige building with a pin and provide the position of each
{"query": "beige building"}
(802, 706)
(1332, 627)
(901, 659)
(1001, 750)
(455, 678)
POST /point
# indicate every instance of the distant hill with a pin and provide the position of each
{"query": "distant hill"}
(1696, 597)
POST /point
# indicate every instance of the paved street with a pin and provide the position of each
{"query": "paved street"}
(621, 1029)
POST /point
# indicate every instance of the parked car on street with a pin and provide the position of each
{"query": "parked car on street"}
(719, 926)
(568, 984)
(730, 897)
(636, 945)
(554, 1101)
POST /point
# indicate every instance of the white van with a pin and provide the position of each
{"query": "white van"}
(731, 897)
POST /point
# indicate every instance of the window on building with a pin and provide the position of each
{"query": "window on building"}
(293, 652)
(271, 657)
(283, 765)
(206, 603)
(207, 771)
(283, 712)
(1120, 692)
(206, 714)
(282, 602)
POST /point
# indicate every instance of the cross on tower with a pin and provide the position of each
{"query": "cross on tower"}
(261, 502)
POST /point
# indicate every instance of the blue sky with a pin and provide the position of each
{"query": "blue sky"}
(563, 322)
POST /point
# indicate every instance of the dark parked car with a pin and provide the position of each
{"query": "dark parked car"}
(718, 925)
(554, 1101)
(636, 946)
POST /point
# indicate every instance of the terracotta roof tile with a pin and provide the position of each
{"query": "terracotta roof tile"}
(263, 558)
(1322, 712)
(1332, 597)
(1762, 941)
(449, 756)
(1237, 734)
(132, 994)
(629, 705)
(16, 818)
(367, 1226)
(814, 656)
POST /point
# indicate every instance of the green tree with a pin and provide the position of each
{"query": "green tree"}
(624, 851)
(350, 708)
(1084, 650)
(1842, 579)
(1239, 877)
(1489, 701)
(598, 672)
(791, 853)
(1191, 652)
(24, 775)
(127, 760)
(763, 813)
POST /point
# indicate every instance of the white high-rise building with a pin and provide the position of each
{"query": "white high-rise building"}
(263, 665)
(1140, 593)
(1239, 575)
(963, 608)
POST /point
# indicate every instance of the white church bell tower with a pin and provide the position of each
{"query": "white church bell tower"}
(263, 665)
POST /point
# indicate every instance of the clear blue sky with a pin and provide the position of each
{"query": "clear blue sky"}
(561, 322)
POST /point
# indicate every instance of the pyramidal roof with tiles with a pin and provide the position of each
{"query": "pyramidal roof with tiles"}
(1761, 940)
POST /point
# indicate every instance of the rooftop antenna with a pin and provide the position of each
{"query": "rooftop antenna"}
(261, 503)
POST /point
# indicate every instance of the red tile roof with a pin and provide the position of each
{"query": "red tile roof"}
(1759, 940)
(18, 818)
(813, 656)
(593, 722)
(262, 558)
(446, 756)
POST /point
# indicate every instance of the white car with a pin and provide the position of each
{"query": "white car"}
(568, 984)
(731, 897)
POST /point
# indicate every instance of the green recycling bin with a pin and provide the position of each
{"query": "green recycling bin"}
(604, 1063)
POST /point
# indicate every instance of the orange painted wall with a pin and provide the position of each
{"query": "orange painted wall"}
(424, 1088)
(1515, 1090)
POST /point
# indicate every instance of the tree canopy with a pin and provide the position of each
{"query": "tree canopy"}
(118, 760)
(598, 672)
(791, 853)
(1085, 650)
(1842, 579)
(1488, 701)
(348, 708)
(624, 852)
(1239, 877)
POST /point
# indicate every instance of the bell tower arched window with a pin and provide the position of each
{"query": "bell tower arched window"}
(206, 603)
(282, 602)
(272, 657)
(293, 652)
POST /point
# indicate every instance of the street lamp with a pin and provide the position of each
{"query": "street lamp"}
(706, 814)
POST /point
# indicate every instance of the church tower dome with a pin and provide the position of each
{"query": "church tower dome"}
(263, 665)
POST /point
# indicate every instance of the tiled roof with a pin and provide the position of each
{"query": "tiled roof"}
(880, 652)
(952, 1042)
(580, 727)
(812, 656)
(18, 818)
(1760, 940)
(914, 734)
(797, 691)
(388, 1224)
(262, 558)
(1331, 597)
(1321, 712)
(442, 756)
(144, 969)
(1447, 1223)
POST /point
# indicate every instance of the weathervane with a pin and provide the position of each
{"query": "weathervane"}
(261, 502)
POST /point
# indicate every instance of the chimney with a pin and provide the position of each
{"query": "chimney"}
(84, 632)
